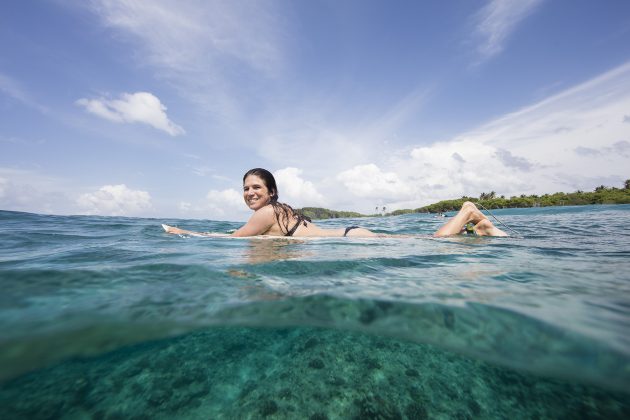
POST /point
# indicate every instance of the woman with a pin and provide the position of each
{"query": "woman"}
(273, 218)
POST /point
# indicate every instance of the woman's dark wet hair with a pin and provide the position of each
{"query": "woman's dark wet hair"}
(284, 212)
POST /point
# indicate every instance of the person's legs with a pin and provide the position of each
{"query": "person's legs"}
(469, 213)
(486, 228)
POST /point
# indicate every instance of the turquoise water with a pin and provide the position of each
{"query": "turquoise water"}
(109, 317)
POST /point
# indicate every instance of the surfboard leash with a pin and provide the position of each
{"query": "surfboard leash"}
(495, 218)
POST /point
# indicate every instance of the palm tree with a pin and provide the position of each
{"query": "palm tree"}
(626, 184)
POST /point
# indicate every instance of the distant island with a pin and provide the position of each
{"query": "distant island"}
(321, 213)
(601, 195)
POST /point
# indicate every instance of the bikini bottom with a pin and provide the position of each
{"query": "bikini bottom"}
(348, 229)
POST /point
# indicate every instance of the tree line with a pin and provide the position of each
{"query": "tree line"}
(322, 213)
(490, 200)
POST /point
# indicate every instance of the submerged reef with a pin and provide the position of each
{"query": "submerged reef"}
(318, 374)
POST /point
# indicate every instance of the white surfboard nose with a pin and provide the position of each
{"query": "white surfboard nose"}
(165, 227)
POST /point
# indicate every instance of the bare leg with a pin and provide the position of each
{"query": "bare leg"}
(457, 222)
(361, 232)
(469, 213)
(486, 228)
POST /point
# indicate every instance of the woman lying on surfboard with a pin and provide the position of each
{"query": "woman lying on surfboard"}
(273, 218)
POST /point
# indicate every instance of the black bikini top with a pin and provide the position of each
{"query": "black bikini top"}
(300, 219)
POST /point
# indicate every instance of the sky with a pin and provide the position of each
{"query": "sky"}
(157, 108)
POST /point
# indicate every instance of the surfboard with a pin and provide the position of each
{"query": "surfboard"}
(183, 232)
(177, 231)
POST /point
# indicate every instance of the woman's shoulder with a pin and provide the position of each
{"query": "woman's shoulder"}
(265, 211)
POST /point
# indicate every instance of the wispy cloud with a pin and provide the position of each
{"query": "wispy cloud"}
(521, 152)
(139, 107)
(341, 136)
(13, 89)
(199, 46)
(177, 34)
(496, 21)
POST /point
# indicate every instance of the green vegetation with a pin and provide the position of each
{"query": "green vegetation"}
(601, 195)
(321, 213)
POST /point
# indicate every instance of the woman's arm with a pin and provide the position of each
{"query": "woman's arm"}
(259, 224)
(178, 231)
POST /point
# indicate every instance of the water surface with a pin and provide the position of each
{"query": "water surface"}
(101, 315)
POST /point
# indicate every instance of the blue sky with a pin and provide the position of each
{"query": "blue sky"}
(157, 108)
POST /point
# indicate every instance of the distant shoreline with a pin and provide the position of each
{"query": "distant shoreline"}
(601, 195)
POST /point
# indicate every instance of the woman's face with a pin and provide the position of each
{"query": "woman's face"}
(255, 192)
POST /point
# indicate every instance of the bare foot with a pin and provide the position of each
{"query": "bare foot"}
(469, 204)
(486, 228)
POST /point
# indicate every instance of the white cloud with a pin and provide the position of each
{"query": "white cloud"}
(451, 169)
(574, 140)
(497, 20)
(229, 198)
(28, 190)
(369, 181)
(591, 144)
(196, 45)
(294, 190)
(225, 204)
(141, 107)
(4, 186)
(526, 152)
(116, 200)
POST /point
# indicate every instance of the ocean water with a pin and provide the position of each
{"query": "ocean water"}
(109, 317)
